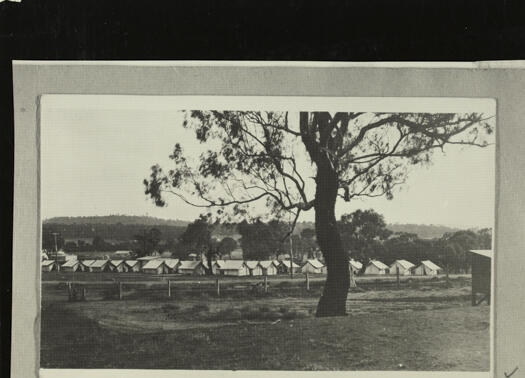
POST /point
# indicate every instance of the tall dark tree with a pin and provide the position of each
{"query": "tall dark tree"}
(258, 156)
(261, 240)
(197, 237)
(147, 241)
(227, 245)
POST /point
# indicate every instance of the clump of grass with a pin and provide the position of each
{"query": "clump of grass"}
(170, 307)
(200, 307)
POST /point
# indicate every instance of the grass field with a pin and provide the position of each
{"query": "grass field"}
(423, 325)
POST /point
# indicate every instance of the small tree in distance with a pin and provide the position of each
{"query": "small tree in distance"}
(257, 156)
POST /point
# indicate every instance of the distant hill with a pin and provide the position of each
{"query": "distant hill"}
(117, 219)
(424, 231)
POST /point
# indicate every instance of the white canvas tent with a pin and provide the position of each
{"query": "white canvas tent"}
(132, 266)
(313, 266)
(286, 265)
(233, 268)
(100, 266)
(268, 267)
(49, 265)
(70, 266)
(355, 265)
(427, 268)
(85, 265)
(117, 266)
(254, 268)
(155, 267)
(405, 267)
(376, 267)
(172, 265)
(191, 267)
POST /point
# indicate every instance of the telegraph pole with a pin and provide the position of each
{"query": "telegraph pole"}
(291, 255)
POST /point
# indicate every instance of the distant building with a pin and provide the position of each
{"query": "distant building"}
(122, 254)
(405, 267)
(427, 268)
(481, 261)
(236, 254)
(376, 267)
(61, 257)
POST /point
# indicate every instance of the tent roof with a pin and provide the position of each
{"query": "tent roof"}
(116, 262)
(315, 263)
(482, 252)
(286, 263)
(189, 264)
(356, 264)
(69, 263)
(171, 263)
(252, 264)
(131, 263)
(378, 264)
(87, 262)
(98, 263)
(153, 264)
(48, 262)
(266, 263)
(404, 263)
(430, 264)
(231, 265)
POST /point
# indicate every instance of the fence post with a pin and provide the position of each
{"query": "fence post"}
(307, 282)
(448, 281)
(397, 276)
(120, 290)
(169, 288)
(218, 286)
(83, 293)
(266, 284)
(69, 291)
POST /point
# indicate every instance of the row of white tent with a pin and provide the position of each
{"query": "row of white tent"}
(156, 265)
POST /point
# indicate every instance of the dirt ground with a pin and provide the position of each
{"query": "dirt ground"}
(425, 326)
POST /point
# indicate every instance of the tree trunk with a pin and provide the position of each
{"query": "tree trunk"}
(333, 299)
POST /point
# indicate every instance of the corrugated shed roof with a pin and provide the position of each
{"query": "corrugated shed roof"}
(429, 264)
(379, 264)
(98, 263)
(153, 264)
(69, 263)
(482, 252)
(231, 265)
(189, 264)
(315, 263)
(404, 263)
(252, 264)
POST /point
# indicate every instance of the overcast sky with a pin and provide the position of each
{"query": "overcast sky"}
(96, 150)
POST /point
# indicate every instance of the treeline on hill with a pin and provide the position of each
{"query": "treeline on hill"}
(364, 233)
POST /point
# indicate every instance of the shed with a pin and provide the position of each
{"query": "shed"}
(172, 265)
(233, 268)
(286, 266)
(132, 266)
(376, 267)
(427, 268)
(268, 267)
(85, 265)
(122, 254)
(313, 266)
(100, 266)
(49, 265)
(155, 267)
(355, 265)
(481, 260)
(405, 267)
(254, 268)
(70, 266)
(191, 267)
(117, 266)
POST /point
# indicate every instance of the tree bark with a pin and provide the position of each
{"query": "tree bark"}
(333, 299)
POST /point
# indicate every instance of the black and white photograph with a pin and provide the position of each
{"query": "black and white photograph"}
(266, 232)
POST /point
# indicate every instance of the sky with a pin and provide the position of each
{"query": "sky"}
(96, 150)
